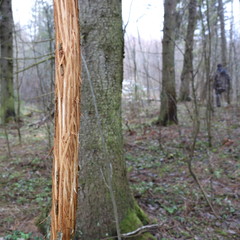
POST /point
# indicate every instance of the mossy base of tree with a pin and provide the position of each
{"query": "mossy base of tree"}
(135, 219)
(7, 116)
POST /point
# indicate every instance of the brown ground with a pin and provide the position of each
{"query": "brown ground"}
(159, 177)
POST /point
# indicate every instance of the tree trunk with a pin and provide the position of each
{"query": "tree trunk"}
(106, 206)
(223, 34)
(188, 56)
(223, 42)
(67, 120)
(6, 61)
(168, 110)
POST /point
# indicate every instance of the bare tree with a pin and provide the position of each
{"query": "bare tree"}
(6, 61)
(188, 55)
(223, 42)
(168, 110)
(223, 33)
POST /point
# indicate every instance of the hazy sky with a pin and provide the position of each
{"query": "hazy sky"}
(22, 10)
(143, 16)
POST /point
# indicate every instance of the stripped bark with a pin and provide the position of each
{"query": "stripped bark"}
(67, 119)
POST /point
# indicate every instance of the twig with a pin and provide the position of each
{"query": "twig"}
(35, 64)
(196, 127)
(201, 188)
(28, 58)
(40, 96)
(141, 230)
(137, 232)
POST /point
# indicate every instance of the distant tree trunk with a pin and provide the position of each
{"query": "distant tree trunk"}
(67, 120)
(223, 33)
(223, 42)
(6, 61)
(207, 59)
(106, 206)
(168, 110)
(188, 56)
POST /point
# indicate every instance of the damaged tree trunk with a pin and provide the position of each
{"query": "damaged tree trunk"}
(67, 119)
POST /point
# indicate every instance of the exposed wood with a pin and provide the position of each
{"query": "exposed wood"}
(67, 119)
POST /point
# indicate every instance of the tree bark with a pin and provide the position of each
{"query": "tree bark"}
(223, 33)
(6, 61)
(107, 207)
(168, 110)
(223, 43)
(188, 56)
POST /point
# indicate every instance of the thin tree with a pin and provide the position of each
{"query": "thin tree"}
(207, 46)
(168, 110)
(223, 33)
(6, 61)
(107, 205)
(188, 55)
(67, 120)
(223, 42)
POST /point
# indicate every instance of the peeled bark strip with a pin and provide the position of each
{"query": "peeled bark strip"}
(67, 119)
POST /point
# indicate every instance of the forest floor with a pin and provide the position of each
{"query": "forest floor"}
(157, 161)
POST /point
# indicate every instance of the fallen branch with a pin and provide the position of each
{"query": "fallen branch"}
(137, 232)
(141, 230)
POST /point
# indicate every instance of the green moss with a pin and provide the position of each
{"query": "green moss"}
(130, 223)
(141, 214)
(135, 219)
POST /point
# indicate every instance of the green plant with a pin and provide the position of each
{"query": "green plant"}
(171, 209)
(143, 187)
(218, 173)
(18, 235)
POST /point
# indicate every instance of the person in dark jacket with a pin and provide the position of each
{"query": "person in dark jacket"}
(221, 84)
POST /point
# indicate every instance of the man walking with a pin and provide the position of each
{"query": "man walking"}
(221, 84)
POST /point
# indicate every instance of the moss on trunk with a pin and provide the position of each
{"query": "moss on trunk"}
(104, 195)
(7, 110)
(135, 219)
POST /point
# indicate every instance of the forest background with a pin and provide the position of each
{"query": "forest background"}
(182, 175)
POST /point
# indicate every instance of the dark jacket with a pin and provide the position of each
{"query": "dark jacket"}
(221, 80)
